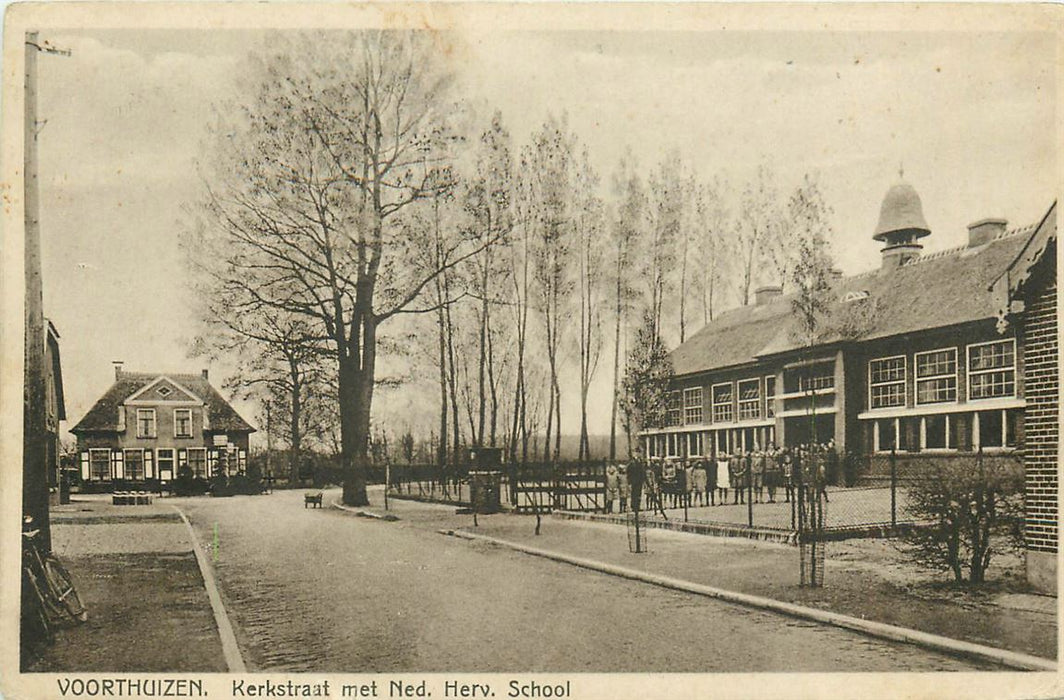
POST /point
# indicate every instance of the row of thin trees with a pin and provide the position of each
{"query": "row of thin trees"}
(358, 214)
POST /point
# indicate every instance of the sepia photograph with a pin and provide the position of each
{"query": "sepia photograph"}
(480, 350)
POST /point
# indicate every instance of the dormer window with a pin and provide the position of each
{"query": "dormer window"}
(145, 422)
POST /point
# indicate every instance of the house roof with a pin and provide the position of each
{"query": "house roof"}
(1009, 284)
(103, 416)
(940, 289)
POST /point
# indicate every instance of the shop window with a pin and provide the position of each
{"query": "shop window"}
(886, 435)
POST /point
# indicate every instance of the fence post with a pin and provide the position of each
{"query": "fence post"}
(893, 488)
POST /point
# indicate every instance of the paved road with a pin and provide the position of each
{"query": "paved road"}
(322, 590)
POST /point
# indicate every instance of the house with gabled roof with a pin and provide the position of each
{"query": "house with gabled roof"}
(149, 426)
(928, 357)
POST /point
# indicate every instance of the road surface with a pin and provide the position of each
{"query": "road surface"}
(323, 590)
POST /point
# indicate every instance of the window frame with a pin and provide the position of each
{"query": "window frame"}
(770, 399)
(125, 464)
(903, 381)
(729, 404)
(159, 459)
(107, 461)
(970, 373)
(947, 435)
(917, 379)
(674, 408)
(688, 406)
(154, 423)
(188, 412)
(188, 462)
(754, 402)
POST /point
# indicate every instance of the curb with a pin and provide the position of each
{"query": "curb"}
(759, 534)
(873, 629)
(388, 517)
(233, 659)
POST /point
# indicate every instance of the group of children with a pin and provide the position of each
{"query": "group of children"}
(677, 482)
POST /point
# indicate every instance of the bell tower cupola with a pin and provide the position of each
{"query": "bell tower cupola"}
(901, 226)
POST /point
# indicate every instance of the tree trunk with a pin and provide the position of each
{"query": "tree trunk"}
(295, 441)
(353, 437)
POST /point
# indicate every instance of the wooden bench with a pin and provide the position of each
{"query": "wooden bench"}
(312, 499)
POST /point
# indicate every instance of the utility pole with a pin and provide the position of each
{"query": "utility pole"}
(34, 421)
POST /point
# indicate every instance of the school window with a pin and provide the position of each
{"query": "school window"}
(991, 429)
(695, 444)
(992, 370)
(145, 422)
(770, 396)
(817, 378)
(183, 422)
(673, 408)
(886, 382)
(692, 405)
(134, 469)
(909, 434)
(886, 435)
(936, 376)
(936, 429)
(166, 459)
(99, 464)
(722, 403)
(749, 399)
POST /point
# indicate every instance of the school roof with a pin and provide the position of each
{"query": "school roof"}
(103, 416)
(940, 289)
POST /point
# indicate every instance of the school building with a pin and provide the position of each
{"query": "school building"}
(932, 356)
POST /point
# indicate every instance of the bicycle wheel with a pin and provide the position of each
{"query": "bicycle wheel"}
(61, 586)
(37, 628)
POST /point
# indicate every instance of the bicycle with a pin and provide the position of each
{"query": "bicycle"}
(49, 581)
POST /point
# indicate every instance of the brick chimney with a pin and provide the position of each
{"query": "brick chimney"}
(764, 295)
(985, 230)
(118, 368)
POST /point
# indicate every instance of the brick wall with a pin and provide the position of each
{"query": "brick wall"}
(1040, 417)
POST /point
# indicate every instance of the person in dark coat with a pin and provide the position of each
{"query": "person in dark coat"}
(737, 476)
(636, 478)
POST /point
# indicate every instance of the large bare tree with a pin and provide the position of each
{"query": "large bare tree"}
(330, 143)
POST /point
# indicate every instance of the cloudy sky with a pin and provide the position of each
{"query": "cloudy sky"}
(969, 114)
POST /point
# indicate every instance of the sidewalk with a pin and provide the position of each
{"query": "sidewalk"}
(868, 579)
(135, 570)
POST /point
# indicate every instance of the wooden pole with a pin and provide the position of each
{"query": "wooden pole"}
(34, 434)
